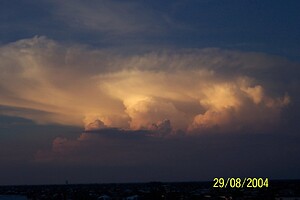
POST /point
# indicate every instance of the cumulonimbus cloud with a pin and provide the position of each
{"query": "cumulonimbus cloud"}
(194, 91)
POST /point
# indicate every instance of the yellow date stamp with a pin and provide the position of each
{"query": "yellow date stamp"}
(248, 182)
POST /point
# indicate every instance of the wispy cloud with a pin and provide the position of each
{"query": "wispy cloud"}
(110, 17)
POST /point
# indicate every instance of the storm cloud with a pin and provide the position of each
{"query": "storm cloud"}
(121, 91)
(195, 90)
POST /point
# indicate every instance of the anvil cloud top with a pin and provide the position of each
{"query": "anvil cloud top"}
(120, 91)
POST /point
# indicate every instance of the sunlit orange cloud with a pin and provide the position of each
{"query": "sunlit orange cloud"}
(189, 90)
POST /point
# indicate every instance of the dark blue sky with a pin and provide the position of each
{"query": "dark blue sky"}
(130, 91)
(267, 26)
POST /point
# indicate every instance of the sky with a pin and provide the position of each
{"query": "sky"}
(137, 91)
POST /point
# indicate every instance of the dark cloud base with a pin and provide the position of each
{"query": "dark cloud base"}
(114, 155)
(120, 156)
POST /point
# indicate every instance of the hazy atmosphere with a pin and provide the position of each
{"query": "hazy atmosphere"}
(133, 91)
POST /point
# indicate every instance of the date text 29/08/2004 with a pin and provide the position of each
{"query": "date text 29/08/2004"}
(241, 182)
